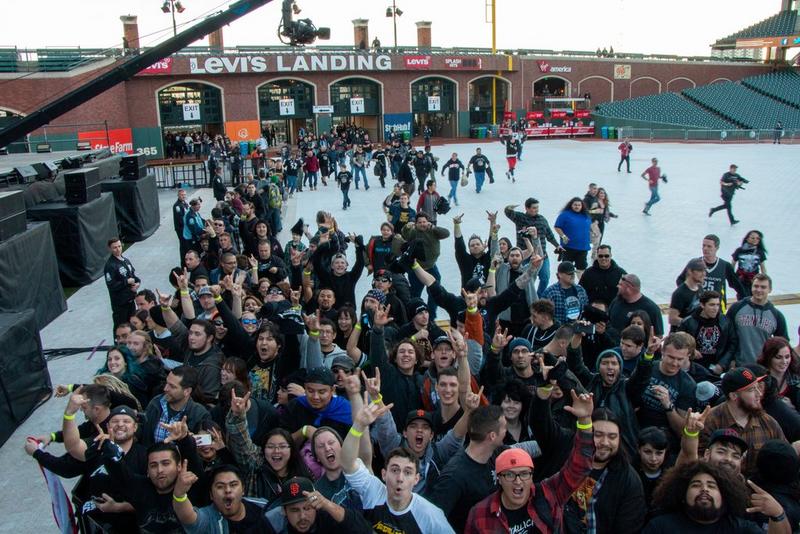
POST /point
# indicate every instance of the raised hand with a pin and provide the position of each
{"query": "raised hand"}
(352, 385)
(373, 384)
(183, 280)
(458, 218)
(312, 321)
(369, 413)
(492, 216)
(381, 317)
(164, 300)
(470, 299)
(31, 446)
(654, 343)
(316, 500)
(695, 421)
(61, 390)
(217, 443)
(101, 436)
(472, 400)
(185, 480)
(501, 338)
(177, 430)
(253, 262)
(497, 261)
(76, 402)
(582, 405)
(239, 404)
(762, 502)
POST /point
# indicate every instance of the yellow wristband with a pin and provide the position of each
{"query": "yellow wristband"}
(180, 499)
(546, 388)
(165, 308)
(355, 432)
(307, 273)
(414, 338)
(472, 310)
(493, 348)
(68, 417)
(71, 388)
(185, 292)
(357, 326)
(587, 426)
(313, 333)
(378, 400)
(52, 436)
(492, 270)
(415, 265)
(218, 299)
(648, 357)
(690, 434)
(304, 431)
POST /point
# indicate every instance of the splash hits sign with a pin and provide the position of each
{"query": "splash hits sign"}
(120, 140)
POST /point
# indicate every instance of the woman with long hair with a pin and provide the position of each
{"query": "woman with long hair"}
(122, 364)
(750, 258)
(783, 366)
(345, 322)
(515, 400)
(573, 225)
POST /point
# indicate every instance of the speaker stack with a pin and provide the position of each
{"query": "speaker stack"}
(26, 173)
(45, 170)
(82, 185)
(133, 167)
(12, 214)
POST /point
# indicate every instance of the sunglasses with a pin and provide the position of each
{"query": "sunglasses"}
(604, 255)
(249, 321)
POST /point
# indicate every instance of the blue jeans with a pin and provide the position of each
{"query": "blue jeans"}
(395, 168)
(653, 197)
(345, 197)
(544, 277)
(453, 190)
(291, 183)
(311, 179)
(416, 289)
(360, 171)
(480, 177)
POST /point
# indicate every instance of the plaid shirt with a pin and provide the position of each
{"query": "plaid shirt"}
(523, 220)
(247, 454)
(759, 429)
(162, 433)
(558, 295)
(487, 515)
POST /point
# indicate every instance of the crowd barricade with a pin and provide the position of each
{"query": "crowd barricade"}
(732, 135)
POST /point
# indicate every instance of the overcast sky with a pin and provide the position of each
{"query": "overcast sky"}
(685, 27)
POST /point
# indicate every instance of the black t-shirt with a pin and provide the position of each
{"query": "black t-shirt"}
(344, 178)
(519, 521)
(708, 336)
(685, 300)
(253, 522)
(681, 392)
(463, 483)
(678, 522)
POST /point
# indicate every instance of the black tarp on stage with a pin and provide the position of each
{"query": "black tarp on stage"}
(136, 206)
(80, 233)
(24, 379)
(30, 274)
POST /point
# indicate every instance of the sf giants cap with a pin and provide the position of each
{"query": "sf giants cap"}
(422, 415)
(292, 490)
(512, 459)
(739, 379)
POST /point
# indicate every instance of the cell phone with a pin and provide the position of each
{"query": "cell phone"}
(587, 329)
(203, 440)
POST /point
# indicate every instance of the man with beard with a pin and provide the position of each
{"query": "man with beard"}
(174, 405)
(228, 511)
(524, 220)
(601, 279)
(202, 353)
(477, 262)
(743, 412)
(702, 498)
(515, 317)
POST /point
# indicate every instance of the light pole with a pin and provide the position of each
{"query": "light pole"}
(170, 6)
(394, 12)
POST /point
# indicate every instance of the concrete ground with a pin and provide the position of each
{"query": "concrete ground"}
(656, 248)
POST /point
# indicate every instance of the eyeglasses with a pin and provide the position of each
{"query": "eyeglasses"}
(604, 255)
(509, 476)
(281, 447)
(249, 321)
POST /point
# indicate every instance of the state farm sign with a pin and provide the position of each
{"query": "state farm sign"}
(417, 62)
(545, 67)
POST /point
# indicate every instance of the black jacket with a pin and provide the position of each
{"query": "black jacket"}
(117, 271)
(601, 284)
(178, 211)
(692, 326)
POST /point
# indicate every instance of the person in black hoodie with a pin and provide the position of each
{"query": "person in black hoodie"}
(778, 469)
(336, 276)
(476, 262)
(218, 185)
(710, 329)
(601, 279)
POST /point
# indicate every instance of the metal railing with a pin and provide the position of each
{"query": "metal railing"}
(789, 137)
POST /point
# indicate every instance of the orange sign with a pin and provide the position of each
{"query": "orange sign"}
(242, 130)
(119, 140)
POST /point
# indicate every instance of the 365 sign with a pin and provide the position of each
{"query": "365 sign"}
(191, 112)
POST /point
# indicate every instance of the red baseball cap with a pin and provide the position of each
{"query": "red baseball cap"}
(512, 459)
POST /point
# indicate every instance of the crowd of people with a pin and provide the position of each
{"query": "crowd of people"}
(263, 393)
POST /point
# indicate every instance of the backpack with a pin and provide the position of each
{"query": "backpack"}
(442, 206)
(275, 198)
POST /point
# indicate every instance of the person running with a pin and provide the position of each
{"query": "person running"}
(728, 184)
(454, 168)
(653, 174)
(625, 148)
(513, 148)
(344, 178)
(481, 167)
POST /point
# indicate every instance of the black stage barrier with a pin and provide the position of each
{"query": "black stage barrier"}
(24, 380)
(80, 233)
(136, 203)
(30, 274)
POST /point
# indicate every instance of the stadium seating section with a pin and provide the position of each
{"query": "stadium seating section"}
(784, 86)
(777, 25)
(669, 108)
(744, 106)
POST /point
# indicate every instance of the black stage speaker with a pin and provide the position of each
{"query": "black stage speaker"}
(26, 173)
(82, 185)
(24, 380)
(12, 214)
(45, 169)
(71, 163)
(133, 167)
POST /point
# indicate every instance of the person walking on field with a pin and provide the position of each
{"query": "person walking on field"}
(653, 174)
(625, 148)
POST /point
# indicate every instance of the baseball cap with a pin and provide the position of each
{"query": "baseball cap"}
(512, 459)
(125, 410)
(382, 274)
(344, 362)
(738, 379)
(705, 391)
(413, 415)
(727, 435)
(320, 375)
(475, 284)
(519, 342)
(441, 339)
(292, 490)
(205, 290)
(566, 267)
(696, 264)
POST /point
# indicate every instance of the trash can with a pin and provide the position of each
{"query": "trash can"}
(604, 132)
(251, 145)
(482, 132)
(243, 146)
(612, 132)
(406, 136)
